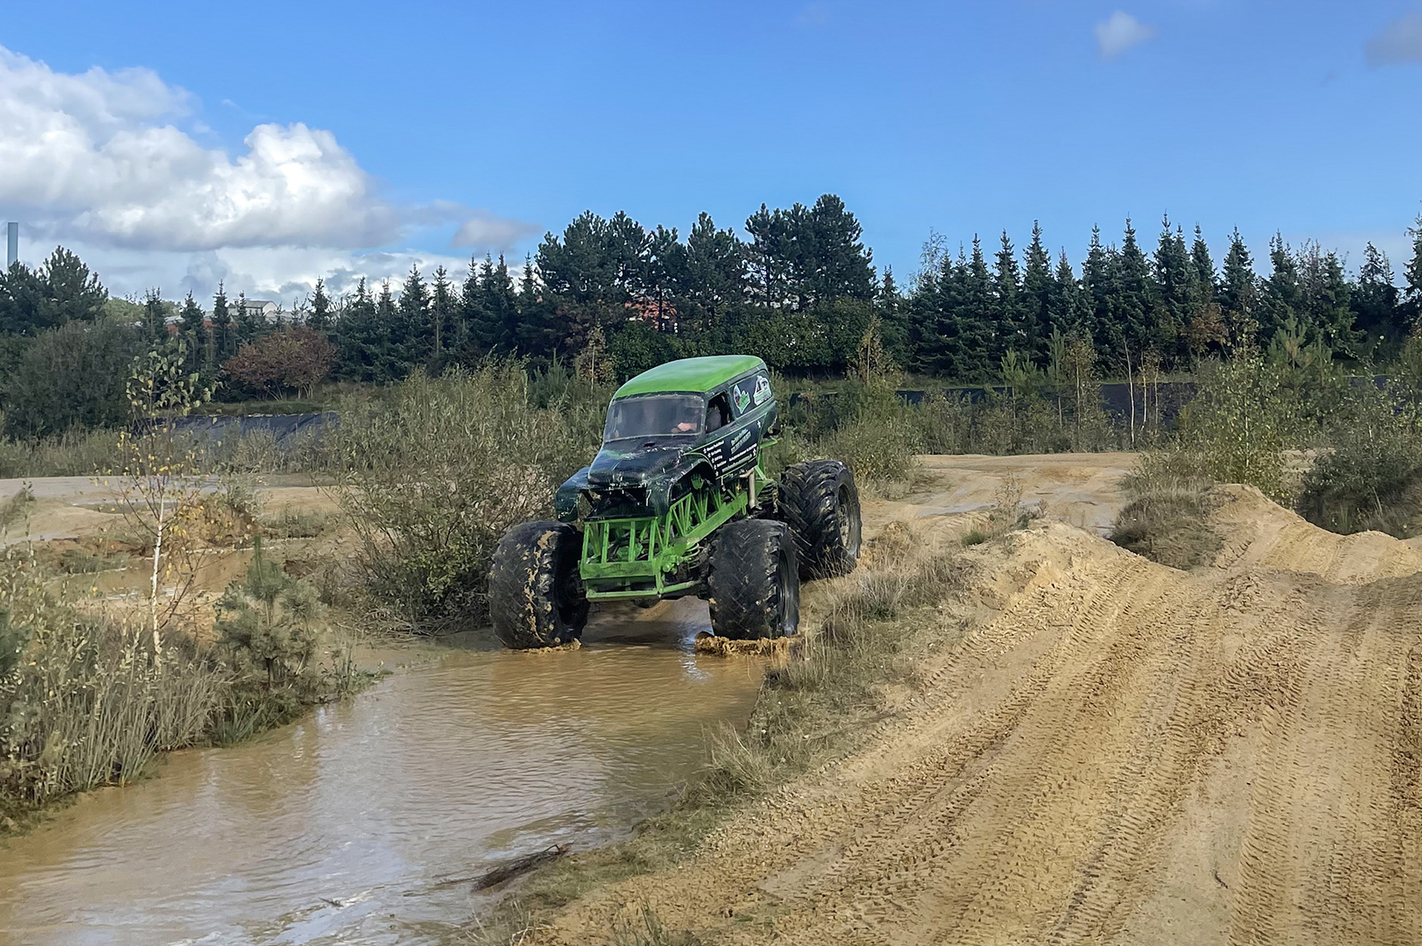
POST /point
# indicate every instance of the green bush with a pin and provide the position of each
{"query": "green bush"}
(1370, 476)
(71, 377)
(438, 469)
(1240, 423)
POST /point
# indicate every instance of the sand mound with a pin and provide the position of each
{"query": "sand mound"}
(1258, 531)
(1125, 753)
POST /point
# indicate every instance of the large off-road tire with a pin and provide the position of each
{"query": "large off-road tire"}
(820, 503)
(535, 598)
(754, 581)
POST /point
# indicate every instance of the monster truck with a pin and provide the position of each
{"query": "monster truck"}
(677, 502)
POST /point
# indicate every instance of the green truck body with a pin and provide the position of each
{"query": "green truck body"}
(651, 497)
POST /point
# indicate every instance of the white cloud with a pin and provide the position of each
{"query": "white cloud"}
(813, 15)
(1120, 32)
(98, 158)
(1399, 42)
(485, 231)
(281, 273)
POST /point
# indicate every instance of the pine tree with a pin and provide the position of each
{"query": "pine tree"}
(193, 332)
(385, 305)
(713, 276)
(23, 297)
(1281, 298)
(1325, 299)
(221, 327)
(364, 338)
(501, 304)
(1239, 292)
(536, 330)
(1375, 301)
(1131, 303)
(892, 313)
(244, 323)
(837, 264)
(71, 291)
(1413, 275)
(767, 257)
(975, 319)
(1068, 312)
(155, 318)
(1009, 332)
(410, 335)
(1039, 293)
(473, 339)
(442, 314)
(320, 317)
(1097, 296)
(1204, 266)
(1174, 290)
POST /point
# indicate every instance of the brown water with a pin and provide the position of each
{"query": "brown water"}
(340, 828)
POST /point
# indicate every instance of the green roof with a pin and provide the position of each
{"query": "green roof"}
(694, 375)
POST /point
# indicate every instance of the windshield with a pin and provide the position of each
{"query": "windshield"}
(658, 415)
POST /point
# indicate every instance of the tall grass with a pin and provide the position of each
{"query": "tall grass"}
(86, 700)
(86, 703)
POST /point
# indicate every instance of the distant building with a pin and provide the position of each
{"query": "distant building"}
(261, 309)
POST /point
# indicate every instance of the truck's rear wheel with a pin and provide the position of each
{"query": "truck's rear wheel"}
(535, 599)
(754, 580)
(820, 503)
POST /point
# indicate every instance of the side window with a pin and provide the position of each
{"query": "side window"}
(718, 413)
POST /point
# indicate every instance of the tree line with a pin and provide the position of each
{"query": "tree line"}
(796, 286)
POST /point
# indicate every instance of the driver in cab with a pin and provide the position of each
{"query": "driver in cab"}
(715, 419)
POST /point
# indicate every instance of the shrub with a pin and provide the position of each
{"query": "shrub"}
(435, 472)
(71, 377)
(289, 361)
(1240, 422)
(1370, 477)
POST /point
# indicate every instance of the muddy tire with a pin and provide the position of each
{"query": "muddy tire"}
(535, 598)
(820, 503)
(754, 583)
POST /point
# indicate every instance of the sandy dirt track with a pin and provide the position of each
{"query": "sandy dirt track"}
(1119, 752)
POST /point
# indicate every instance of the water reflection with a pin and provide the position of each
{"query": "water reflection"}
(341, 827)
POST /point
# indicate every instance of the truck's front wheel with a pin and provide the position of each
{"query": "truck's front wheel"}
(754, 583)
(535, 599)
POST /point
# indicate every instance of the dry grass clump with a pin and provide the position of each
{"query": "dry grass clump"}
(1167, 520)
(642, 927)
(812, 704)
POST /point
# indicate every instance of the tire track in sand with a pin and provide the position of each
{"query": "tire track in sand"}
(1058, 779)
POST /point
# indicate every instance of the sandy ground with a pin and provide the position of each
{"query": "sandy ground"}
(78, 507)
(1119, 752)
(1116, 752)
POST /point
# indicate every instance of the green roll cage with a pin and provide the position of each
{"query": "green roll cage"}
(638, 557)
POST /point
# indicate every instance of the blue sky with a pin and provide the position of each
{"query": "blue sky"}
(496, 122)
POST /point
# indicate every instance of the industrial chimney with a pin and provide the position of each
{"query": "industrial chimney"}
(12, 244)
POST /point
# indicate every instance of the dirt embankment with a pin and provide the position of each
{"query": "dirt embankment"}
(1122, 753)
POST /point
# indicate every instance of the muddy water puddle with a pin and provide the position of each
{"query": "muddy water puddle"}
(344, 827)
